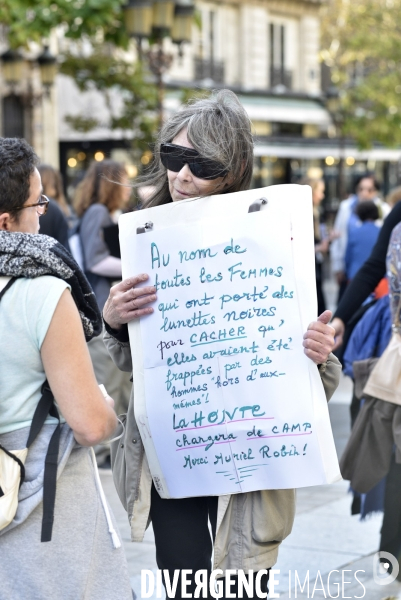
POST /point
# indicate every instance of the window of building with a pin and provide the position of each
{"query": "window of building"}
(212, 35)
(13, 116)
(207, 65)
(279, 74)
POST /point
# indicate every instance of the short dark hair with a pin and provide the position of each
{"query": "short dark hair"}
(17, 163)
(367, 211)
(370, 176)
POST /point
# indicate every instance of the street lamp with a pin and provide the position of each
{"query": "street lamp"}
(154, 20)
(48, 68)
(138, 17)
(182, 25)
(18, 75)
(13, 69)
(163, 16)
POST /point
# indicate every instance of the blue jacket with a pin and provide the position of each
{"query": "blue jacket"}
(361, 239)
(370, 336)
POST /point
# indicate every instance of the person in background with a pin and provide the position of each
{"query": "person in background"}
(98, 201)
(366, 188)
(205, 148)
(321, 244)
(379, 423)
(54, 222)
(361, 239)
(366, 279)
(53, 187)
(46, 313)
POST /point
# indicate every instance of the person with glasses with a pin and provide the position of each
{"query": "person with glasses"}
(205, 148)
(47, 313)
(28, 221)
(366, 188)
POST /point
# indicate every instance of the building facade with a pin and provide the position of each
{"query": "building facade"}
(267, 51)
(28, 108)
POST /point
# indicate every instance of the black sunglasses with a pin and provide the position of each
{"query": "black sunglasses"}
(174, 158)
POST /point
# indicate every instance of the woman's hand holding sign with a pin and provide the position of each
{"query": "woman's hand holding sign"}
(127, 302)
(319, 339)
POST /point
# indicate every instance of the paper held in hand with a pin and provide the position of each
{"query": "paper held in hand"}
(225, 399)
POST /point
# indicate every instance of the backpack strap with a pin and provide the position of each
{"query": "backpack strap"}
(40, 415)
(7, 286)
(45, 407)
(50, 479)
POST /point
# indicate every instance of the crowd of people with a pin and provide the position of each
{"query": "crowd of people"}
(363, 255)
(64, 330)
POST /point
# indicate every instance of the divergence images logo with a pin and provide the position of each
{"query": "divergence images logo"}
(385, 568)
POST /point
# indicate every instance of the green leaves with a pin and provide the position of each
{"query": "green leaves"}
(106, 72)
(361, 43)
(98, 25)
(32, 20)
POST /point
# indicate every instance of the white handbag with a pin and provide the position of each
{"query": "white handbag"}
(385, 379)
(11, 476)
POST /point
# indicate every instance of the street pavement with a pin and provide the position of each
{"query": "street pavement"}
(325, 536)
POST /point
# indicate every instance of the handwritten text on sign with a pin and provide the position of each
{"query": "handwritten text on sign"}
(226, 380)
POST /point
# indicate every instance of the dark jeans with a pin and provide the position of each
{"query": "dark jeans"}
(183, 539)
(391, 529)
(321, 301)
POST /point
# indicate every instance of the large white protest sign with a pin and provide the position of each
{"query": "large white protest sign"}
(225, 398)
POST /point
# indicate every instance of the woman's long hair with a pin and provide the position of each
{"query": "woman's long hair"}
(51, 178)
(219, 129)
(101, 184)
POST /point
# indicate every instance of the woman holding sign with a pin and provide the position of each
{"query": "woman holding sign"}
(204, 149)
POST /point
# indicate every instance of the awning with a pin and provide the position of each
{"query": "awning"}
(285, 110)
(270, 108)
(310, 151)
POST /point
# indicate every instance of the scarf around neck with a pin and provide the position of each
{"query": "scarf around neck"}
(33, 255)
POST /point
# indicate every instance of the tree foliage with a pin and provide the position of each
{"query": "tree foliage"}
(33, 20)
(114, 77)
(94, 58)
(361, 44)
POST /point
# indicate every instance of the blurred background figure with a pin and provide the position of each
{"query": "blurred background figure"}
(366, 189)
(394, 196)
(362, 237)
(54, 222)
(99, 200)
(322, 240)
